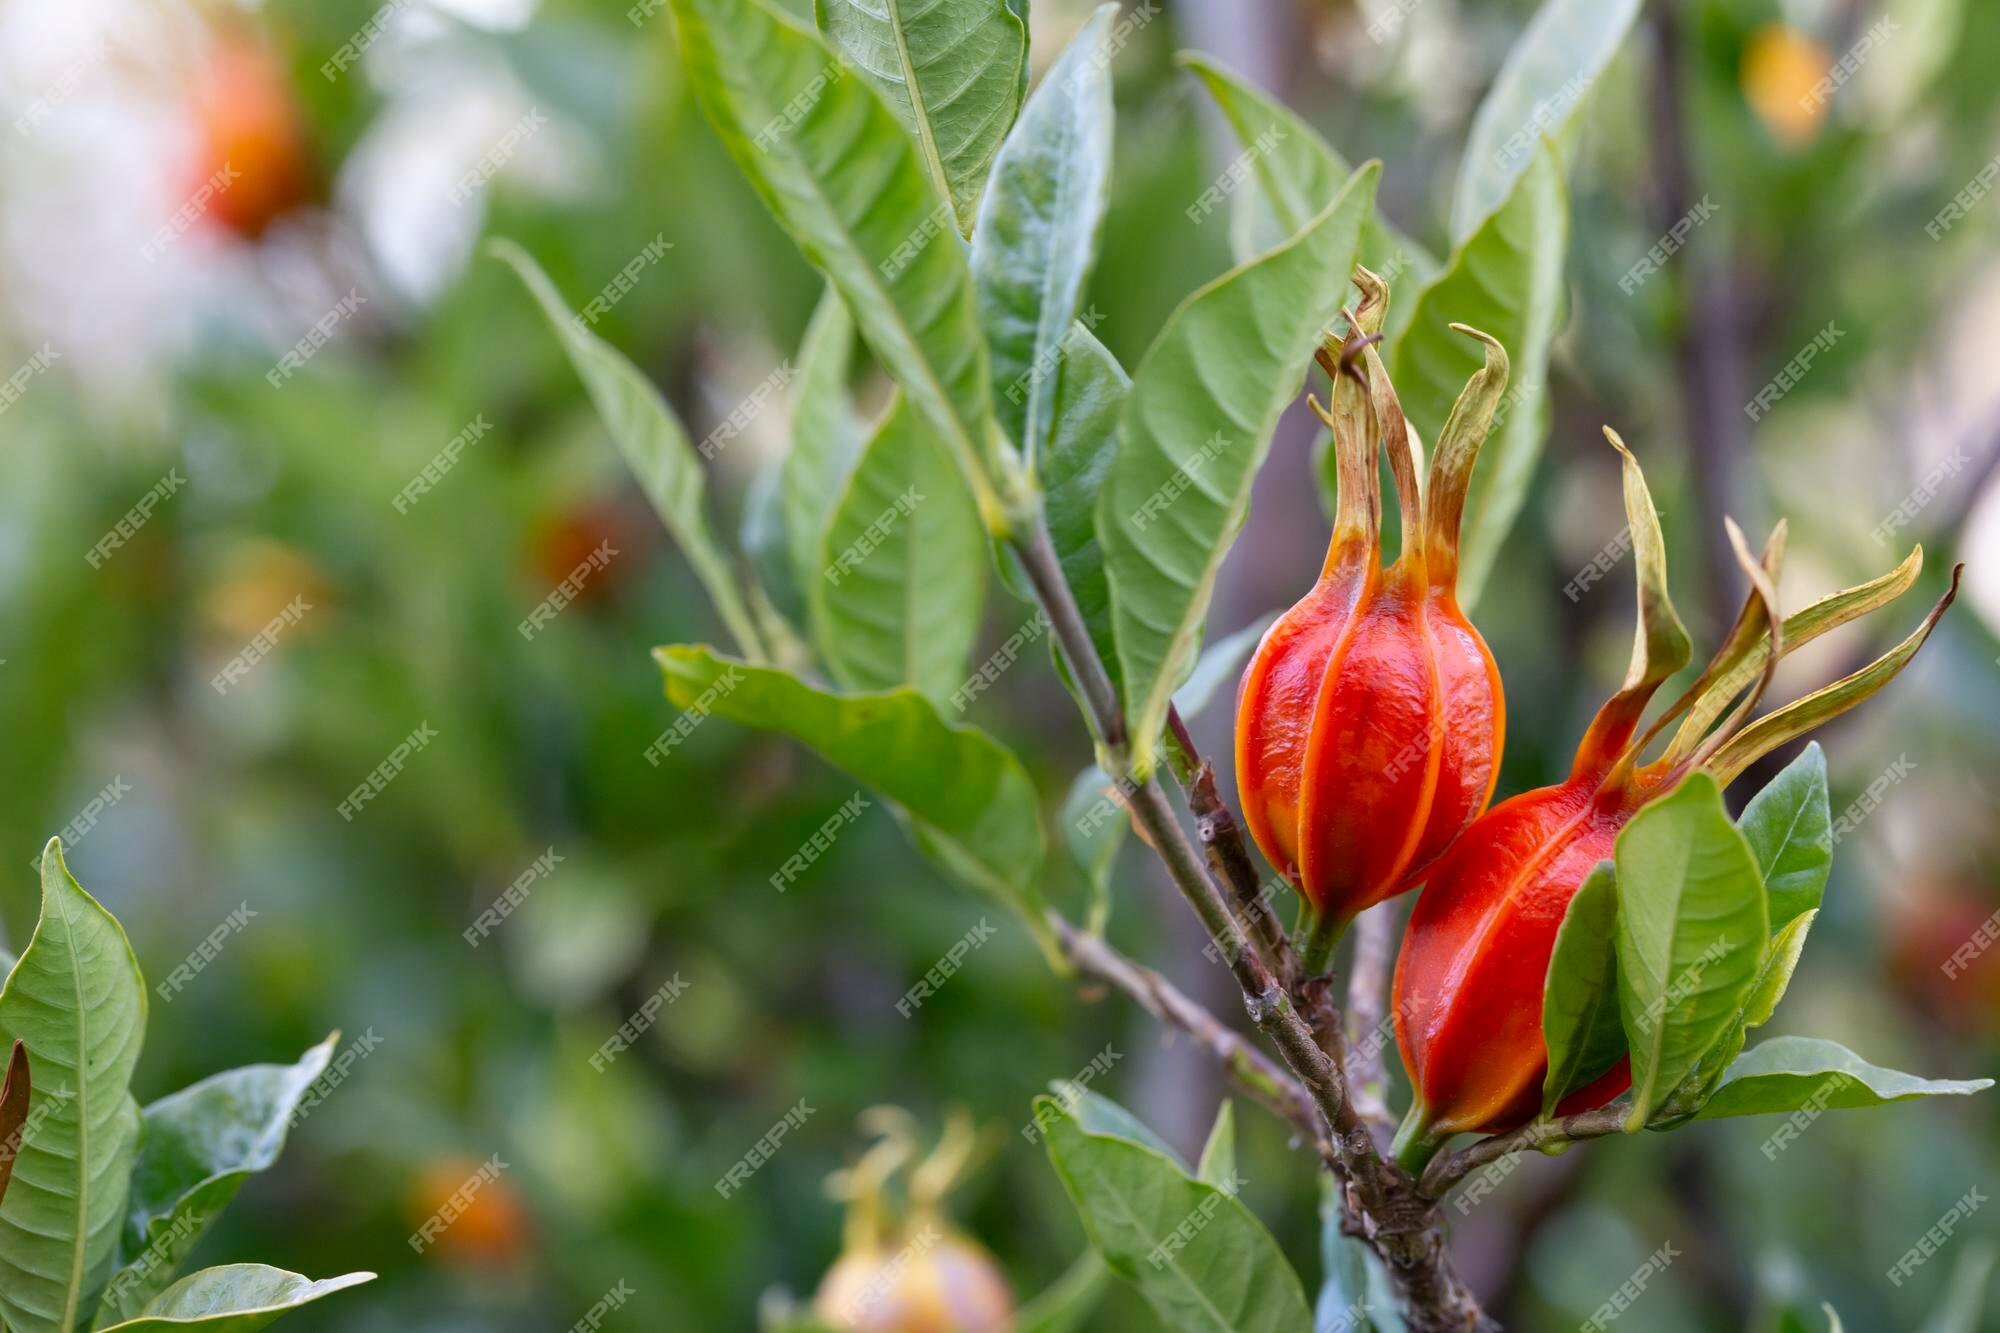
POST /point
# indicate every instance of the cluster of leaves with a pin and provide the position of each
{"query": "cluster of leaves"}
(101, 1201)
(955, 219)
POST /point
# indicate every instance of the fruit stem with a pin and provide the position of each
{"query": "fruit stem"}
(1319, 932)
(1414, 1144)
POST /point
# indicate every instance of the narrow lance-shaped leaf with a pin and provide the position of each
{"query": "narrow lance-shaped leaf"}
(1743, 660)
(1795, 719)
(1580, 1017)
(826, 437)
(1787, 1073)
(1292, 172)
(965, 797)
(652, 440)
(1692, 927)
(1505, 278)
(235, 1298)
(897, 600)
(828, 157)
(1229, 1277)
(15, 1091)
(1544, 80)
(1036, 241)
(1196, 429)
(1790, 829)
(951, 70)
(200, 1145)
(76, 998)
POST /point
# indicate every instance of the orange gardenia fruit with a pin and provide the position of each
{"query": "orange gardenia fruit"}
(1370, 721)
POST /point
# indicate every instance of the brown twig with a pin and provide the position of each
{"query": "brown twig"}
(1253, 1070)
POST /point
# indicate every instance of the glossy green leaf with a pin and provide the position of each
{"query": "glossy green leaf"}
(16, 1089)
(967, 801)
(1774, 975)
(76, 998)
(1506, 278)
(1036, 241)
(1291, 173)
(1791, 1073)
(896, 601)
(235, 1298)
(829, 158)
(1067, 1305)
(1544, 80)
(200, 1145)
(1692, 927)
(654, 444)
(952, 71)
(1580, 1014)
(1196, 428)
(1790, 830)
(826, 437)
(1218, 1154)
(1091, 389)
(1229, 1276)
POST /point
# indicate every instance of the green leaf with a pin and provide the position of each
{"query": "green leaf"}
(1292, 173)
(1692, 927)
(652, 440)
(1774, 974)
(1220, 664)
(235, 1298)
(1138, 1207)
(1091, 389)
(16, 1089)
(826, 437)
(1074, 1297)
(826, 154)
(1506, 279)
(1790, 830)
(1218, 1155)
(1094, 828)
(966, 799)
(1580, 1015)
(1099, 1115)
(1543, 81)
(1196, 428)
(951, 69)
(200, 1145)
(897, 601)
(1790, 1073)
(1036, 241)
(79, 1003)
